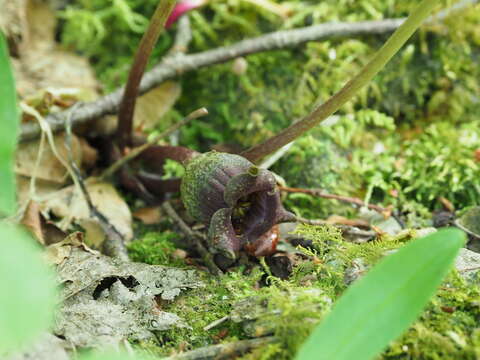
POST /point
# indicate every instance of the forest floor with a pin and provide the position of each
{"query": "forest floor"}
(398, 162)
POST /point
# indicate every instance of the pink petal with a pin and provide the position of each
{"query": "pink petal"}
(181, 8)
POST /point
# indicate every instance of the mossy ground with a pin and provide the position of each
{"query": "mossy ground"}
(448, 329)
(406, 140)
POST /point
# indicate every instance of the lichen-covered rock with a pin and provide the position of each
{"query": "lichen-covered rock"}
(106, 301)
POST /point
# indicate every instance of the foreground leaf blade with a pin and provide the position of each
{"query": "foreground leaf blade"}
(8, 131)
(27, 290)
(380, 307)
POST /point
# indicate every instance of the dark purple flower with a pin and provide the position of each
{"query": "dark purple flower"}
(237, 200)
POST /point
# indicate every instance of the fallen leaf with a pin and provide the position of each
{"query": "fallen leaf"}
(70, 205)
(31, 219)
(50, 167)
(42, 188)
(150, 108)
(30, 26)
(154, 104)
(56, 253)
(148, 215)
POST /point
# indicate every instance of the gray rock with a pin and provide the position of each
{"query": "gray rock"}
(467, 264)
(106, 301)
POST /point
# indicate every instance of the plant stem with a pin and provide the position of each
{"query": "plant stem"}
(127, 106)
(320, 113)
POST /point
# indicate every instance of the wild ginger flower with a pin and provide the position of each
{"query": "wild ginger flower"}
(237, 200)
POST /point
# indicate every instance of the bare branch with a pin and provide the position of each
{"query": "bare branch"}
(223, 351)
(346, 199)
(194, 237)
(180, 63)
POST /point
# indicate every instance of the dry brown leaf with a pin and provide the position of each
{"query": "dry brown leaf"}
(31, 219)
(89, 154)
(94, 234)
(38, 63)
(148, 215)
(55, 254)
(149, 109)
(153, 105)
(70, 205)
(42, 188)
(50, 167)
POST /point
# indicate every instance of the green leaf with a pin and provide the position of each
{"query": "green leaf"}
(27, 290)
(381, 306)
(8, 131)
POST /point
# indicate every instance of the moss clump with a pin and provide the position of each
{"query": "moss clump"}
(201, 307)
(290, 309)
(447, 329)
(155, 249)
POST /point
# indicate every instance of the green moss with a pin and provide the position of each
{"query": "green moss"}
(156, 249)
(289, 309)
(405, 140)
(201, 307)
(447, 329)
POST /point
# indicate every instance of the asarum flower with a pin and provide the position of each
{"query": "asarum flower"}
(238, 201)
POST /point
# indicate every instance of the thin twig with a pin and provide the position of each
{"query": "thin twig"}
(223, 351)
(172, 66)
(348, 230)
(346, 199)
(216, 323)
(139, 149)
(114, 244)
(183, 37)
(195, 238)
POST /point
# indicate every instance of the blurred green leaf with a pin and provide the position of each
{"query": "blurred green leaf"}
(27, 290)
(380, 306)
(8, 130)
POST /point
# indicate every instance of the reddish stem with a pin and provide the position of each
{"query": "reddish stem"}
(127, 106)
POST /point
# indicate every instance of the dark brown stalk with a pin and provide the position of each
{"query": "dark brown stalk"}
(149, 39)
(366, 74)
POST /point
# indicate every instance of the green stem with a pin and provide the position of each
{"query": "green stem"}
(381, 58)
(149, 39)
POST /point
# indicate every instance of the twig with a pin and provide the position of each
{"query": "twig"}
(195, 238)
(114, 244)
(469, 269)
(346, 199)
(139, 149)
(223, 351)
(129, 97)
(172, 66)
(182, 37)
(268, 162)
(348, 230)
(216, 323)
